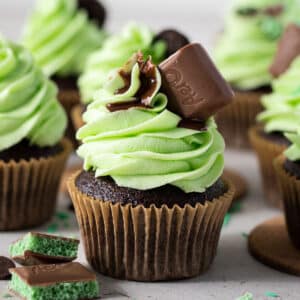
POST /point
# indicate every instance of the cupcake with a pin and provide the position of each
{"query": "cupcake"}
(287, 168)
(151, 199)
(32, 152)
(61, 34)
(281, 111)
(116, 51)
(244, 54)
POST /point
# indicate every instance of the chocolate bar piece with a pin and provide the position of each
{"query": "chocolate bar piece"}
(195, 88)
(37, 248)
(52, 282)
(288, 50)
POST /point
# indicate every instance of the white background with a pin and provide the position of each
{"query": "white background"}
(234, 271)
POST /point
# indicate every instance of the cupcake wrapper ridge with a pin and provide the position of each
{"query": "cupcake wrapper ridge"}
(149, 244)
(28, 189)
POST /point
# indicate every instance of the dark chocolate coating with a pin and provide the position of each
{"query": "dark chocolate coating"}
(288, 50)
(173, 39)
(195, 88)
(292, 167)
(106, 189)
(5, 265)
(25, 151)
(95, 10)
(47, 275)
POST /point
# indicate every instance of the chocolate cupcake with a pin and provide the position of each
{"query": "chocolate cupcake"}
(32, 154)
(116, 51)
(287, 168)
(281, 112)
(151, 200)
(244, 55)
(61, 35)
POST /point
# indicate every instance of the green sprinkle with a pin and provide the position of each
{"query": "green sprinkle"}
(226, 219)
(61, 215)
(245, 235)
(236, 207)
(247, 296)
(52, 228)
(272, 295)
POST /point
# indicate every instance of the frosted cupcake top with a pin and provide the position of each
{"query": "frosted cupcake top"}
(246, 48)
(29, 108)
(61, 36)
(115, 52)
(131, 135)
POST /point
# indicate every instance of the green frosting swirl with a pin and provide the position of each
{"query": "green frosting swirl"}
(143, 148)
(282, 107)
(293, 152)
(115, 52)
(61, 37)
(28, 105)
(246, 49)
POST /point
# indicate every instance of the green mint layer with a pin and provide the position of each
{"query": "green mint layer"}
(44, 245)
(61, 291)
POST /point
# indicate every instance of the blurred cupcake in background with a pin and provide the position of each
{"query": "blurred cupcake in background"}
(61, 34)
(287, 168)
(32, 151)
(244, 54)
(281, 111)
(151, 199)
(116, 50)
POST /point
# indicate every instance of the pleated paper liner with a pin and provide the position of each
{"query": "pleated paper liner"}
(149, 244)
(69, 99)
(28, 189)
(76, 116)
(290, 193)
(266, 151)
(236, 118)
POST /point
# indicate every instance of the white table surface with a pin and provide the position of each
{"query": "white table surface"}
(234, 271)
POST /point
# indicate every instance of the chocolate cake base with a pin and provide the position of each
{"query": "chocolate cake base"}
(106, 189)
(24, 150)
(66, 83)
(292, 167)
(276, 137)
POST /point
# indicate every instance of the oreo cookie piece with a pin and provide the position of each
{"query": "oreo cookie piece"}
(5, 265)
(106, 189)
(174, 40)
(94, 9)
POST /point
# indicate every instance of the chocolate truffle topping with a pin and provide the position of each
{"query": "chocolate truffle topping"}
(288, 50)
(195, 88)
(94, 9)
(46, 275)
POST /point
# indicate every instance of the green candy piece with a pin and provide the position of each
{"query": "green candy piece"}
(29, 108)
(61, 37)
(43, 244)
(143, 148)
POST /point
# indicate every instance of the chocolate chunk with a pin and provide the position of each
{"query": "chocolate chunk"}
(174, 40)
(274, 10)
(5, 265)
(46, 275)
(195, 88)
(288, 49)
(112, 107)
(94, 9)
(190, 124)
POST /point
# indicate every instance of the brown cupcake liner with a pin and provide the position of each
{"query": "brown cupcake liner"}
(69, 99)
(149, 244)
(76, 116)
(28, 189)
(266, 151)
(290, 193)
(236, 118)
